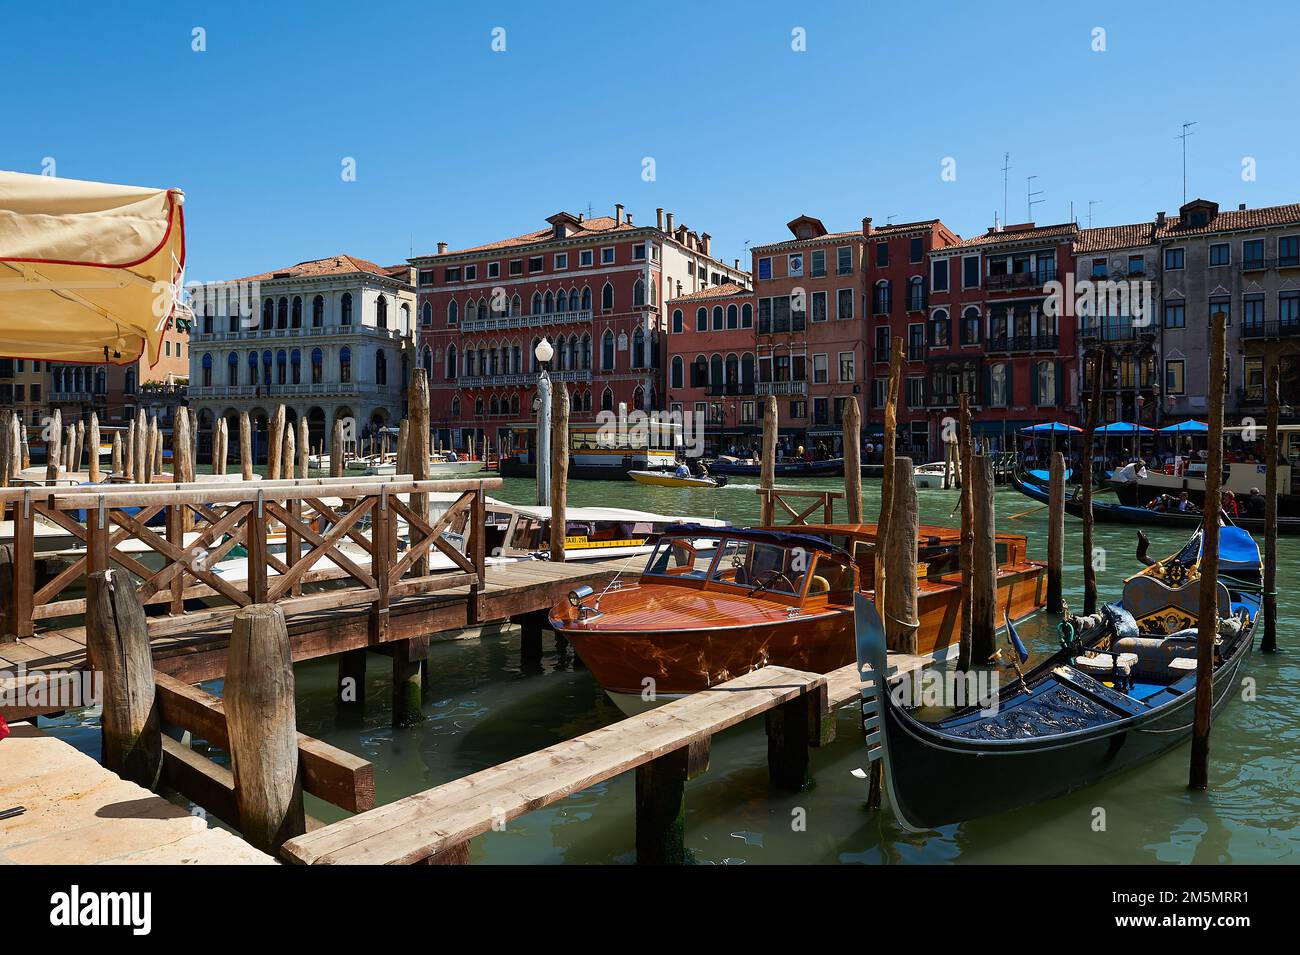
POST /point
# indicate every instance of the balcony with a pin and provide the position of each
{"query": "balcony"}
(265, 392)
(257, 333)
(782, 388)
(1116, 333)
(78, 396)
(1019, 280)
(731, 388)
(524, 380)
(1273, 329)
(1260, 265)
(545, 319)
(1024, 343)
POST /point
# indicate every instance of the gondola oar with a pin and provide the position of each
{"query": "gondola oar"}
(1021, 654)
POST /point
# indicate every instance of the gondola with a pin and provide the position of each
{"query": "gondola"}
(784, 469)
(1120, 691)
(1105, 512)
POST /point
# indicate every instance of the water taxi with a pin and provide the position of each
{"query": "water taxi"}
(670, 479)
(695, 619)
(930, 475)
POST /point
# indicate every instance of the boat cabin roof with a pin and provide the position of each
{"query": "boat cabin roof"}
(928, 535)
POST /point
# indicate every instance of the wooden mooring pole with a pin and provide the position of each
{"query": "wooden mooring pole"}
(559, 469)
(767, 468)
(984, 572)
(117, 643)
(1269, 642)
(966, 549)
(220, 446)
(336, 449)
(887, 470)
(304, 447)
(899, 555)
(1056, 534)
(117, 454)
(661, 809)
(259, 707)
(1208, 625)
(93, 437)
(1085, 474)
(852, 461)
(275, 448)
(245, 446)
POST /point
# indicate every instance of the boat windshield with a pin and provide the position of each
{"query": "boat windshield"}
(762, 567)
(677, 557)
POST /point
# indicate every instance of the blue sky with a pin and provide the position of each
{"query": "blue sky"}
(454, 142)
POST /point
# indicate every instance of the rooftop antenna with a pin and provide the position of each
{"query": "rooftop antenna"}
(1006, 169)
(1091, 203)
(589, 210)
(1031, 197)
(889, 219)
(1183, 136)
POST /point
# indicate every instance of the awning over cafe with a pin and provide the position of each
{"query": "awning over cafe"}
(89, 272)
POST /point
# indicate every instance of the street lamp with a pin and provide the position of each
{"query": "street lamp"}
(542, 405)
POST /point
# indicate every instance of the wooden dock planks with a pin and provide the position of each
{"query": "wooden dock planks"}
(78, 813)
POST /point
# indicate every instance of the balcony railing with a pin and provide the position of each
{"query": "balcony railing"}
(1116, 333)
(274, 391)
(1024, 343)
(1260, 265)
(1272, 329)
(76, 396)
(1019, 280)
(501, 322)
(257, 333)
(526, 379)
(781, 388)
(731, 388)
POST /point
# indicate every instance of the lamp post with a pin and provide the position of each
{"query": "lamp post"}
(542, 406)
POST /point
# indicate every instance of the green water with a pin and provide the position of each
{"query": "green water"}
(483, 709)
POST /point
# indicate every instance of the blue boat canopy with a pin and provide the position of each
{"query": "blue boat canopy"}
(1048, 426)
(1126, 427)
(1237, 549)
(1190, 427)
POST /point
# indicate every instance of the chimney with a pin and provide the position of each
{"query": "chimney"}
(442, 248)
(736, 264)
(681, 235)
(1241, 207)
(618, 213)
(866, 225)
(692, 241)
(705, 243)
(581, 216)
(1160, 220)
(669, 228)
(659, 219)
(628, 217)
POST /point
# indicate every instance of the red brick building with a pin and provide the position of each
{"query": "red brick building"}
(712, 365)
(898, 285)
(810, 340)
(595, 288)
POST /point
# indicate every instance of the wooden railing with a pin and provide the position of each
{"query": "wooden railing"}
(352, 525)
(771, 498)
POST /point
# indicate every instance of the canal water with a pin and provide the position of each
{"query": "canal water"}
(483, 709)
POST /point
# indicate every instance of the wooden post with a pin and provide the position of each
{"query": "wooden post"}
(79, 447)
(408, 699)
(25, 437)
(559, 468)
(767, 471)
(93, 442)
(129, 471)
(54, 434)
(289, 454)
(117, 454)
(1269, 643)
(154, 451)
(899, 555)
(984, 570)
(143, 462)
(1056, 534)
(336, 449)
(404, 447)
(117, 642)
(966, 549)
(304, 447)
(887, 469)
(1094, 408)
(6, 456)
(220, 446)
(259, 707)
(792, 729)
(417, 448)
(852, 461)
(275, 450)
(70, 450)
(1208, 628)
(245, 446)
(661, 809)
(352, 680)
(181, 473)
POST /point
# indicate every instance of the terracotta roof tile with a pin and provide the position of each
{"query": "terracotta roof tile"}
(1115, 237)
(1028, 232)
(597, 225)
(1234, 220)
(319, 268)
(725, 290)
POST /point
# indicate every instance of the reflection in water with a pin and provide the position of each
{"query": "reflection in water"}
(482, 709)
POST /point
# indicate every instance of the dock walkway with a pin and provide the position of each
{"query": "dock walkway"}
(78, 813)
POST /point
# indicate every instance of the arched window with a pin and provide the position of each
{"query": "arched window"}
(701, 319)
(535, 308)
(717, 318)
(675, 379)
(715, 370)
(881, 299)
(732, 372)
(561, 302)
(345, 365)
(638, 294)
(426, 314)
(232, 369)
(453, 315)
(469, 361)
(916, 294)
(129, 386)
(426, 359)
(381, 368)
(451, 362)
(317, 366)
(266, 367)
(586, 298)
(471, 311)
(998, 385)
(494, 406)
(318, 311)
(638, 348)
(586, 352)
(607, 400)
(607, 297)
(281, 366)
(381, 312)
(346, 316)
(939, 329)
(607, 350)
(514, 404)
(455, 407)
(733, 318)
(747, 316)
(516, 306)
(268, 313)
(678, 325)
(747, 372)
(638, 398)
(207, 371)
(282, 312)
(295, 367)
(573, 299)
(252, 368)
(970, 326)
(295, 320)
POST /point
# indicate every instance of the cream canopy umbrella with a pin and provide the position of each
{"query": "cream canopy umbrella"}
(89, 272)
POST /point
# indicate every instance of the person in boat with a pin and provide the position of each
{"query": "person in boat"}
(1229, 504)
(1163, 503)
(1254, 503)
(451, 456)
(1185, 504)
(683, 471)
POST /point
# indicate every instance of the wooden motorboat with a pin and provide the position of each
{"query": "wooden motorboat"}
(670, 479)
(1119, 691)
(784, 469)
(764, 596)
(930, 475)
(443, 466)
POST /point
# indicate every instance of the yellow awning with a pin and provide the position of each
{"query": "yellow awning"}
(87, 266)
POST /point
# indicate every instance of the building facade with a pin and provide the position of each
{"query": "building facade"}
(331, 339)
(712, 365)
(23, 389)
(595, 288)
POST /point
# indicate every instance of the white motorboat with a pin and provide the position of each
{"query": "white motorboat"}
(930, 475)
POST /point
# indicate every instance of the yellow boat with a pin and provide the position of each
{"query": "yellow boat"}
(669, 479)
